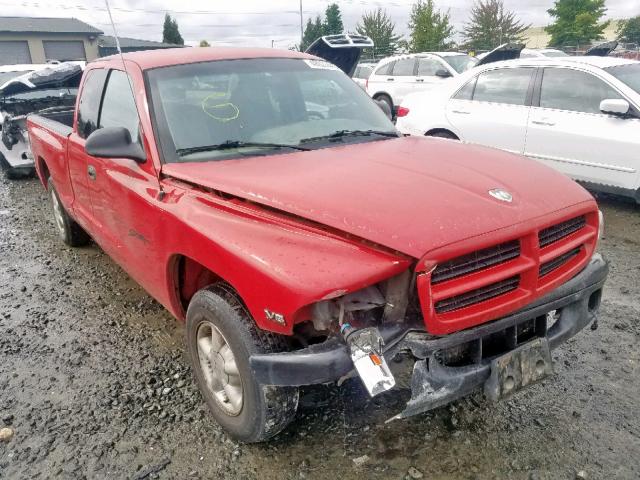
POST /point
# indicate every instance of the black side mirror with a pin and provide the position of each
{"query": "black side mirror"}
(442, 73)
(114, 142)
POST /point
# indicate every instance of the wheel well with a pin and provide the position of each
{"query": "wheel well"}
(189, 276)
(44, 172)
(434, 131)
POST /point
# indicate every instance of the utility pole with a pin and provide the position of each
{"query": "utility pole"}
(301, 25)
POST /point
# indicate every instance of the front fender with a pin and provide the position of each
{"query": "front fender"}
(275, 263)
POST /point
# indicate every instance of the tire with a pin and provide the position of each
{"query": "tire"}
(443, 134)
(261, 412)
(68, 230)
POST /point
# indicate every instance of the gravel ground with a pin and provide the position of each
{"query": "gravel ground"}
(94, 384)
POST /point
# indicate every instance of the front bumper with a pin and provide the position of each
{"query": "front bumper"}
(434, 382)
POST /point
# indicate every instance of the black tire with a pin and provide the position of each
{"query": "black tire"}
(265, 411)
(68, 230)
(443, 134)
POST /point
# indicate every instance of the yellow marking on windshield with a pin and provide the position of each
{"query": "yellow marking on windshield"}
(222, 112)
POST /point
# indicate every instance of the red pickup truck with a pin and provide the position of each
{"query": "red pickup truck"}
(266, 200)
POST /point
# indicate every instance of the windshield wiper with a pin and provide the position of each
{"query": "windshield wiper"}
(231, 144)
(350, 133)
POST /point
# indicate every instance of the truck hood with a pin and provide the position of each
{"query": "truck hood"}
(409, 194)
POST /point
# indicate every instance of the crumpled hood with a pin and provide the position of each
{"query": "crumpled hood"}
(409, 194)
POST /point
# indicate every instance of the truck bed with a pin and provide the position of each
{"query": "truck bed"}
(60, 121)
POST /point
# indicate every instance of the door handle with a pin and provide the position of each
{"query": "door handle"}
(419, 79)
(91, 172)
(389, 79)
(461, 112)
(543, 123)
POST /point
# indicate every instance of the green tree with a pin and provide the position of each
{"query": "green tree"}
(204, 43)
(490, 25)
(431, 29)
(312, 31)
(333, 20)
(576, 22)
(170, 31)
(378, 26)
(629, 30)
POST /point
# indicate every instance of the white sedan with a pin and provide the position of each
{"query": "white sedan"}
(580, 115)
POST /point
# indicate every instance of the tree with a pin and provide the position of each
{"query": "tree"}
(204, 43)
(333, 20)
(378, 26)
(629, 30)
(576, 22)
(312, 32)
(490, 25)
(170, 31)
(431, 29)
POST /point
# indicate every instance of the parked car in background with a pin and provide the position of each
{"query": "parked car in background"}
(579, 115)
(542, 53)
(362, 74)
(396, 77)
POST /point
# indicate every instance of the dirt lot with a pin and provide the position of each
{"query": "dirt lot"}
(94, 383)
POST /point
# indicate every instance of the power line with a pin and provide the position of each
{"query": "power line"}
(144, 10)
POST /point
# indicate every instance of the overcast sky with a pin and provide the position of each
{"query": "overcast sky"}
(257, 22)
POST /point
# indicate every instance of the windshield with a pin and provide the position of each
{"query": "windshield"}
(461, 63)
(6, 76)
(627, 74)
(229, 108)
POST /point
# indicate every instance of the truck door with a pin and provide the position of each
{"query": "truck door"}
(86, 123)
(124, 192)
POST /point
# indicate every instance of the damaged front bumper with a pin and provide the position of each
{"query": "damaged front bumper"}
(451, 366)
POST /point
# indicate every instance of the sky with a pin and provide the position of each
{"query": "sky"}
(261, 23)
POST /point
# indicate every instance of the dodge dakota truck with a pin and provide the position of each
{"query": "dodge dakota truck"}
(264, 199)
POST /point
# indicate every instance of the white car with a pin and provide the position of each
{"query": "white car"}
(396, 77)
(542, 53)
(580, 115)
(362, 73)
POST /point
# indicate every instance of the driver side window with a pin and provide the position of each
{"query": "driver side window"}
(118, 105)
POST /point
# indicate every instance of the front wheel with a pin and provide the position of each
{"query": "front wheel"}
(221, 336)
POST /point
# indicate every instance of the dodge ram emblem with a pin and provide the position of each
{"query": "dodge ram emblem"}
(502, 195)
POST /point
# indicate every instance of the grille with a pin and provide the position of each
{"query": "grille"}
(475, 261)
(479, 295)
(557, 262)
(561, 230)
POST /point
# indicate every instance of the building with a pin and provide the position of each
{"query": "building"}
(38, 40)
(107, 45)
(537, 37)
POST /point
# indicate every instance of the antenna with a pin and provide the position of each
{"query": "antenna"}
(133, 94)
